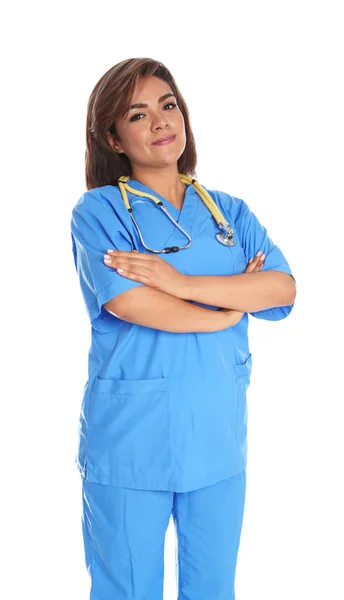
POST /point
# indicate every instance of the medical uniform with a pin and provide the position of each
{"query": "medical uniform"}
(163, 420)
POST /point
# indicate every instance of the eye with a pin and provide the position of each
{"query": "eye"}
(173, 104)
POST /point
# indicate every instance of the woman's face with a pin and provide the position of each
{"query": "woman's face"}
(144, 125)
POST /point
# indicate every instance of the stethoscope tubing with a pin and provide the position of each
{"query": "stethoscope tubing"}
(227, 240)
(171, 248)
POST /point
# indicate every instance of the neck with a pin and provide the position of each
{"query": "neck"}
(165, 182)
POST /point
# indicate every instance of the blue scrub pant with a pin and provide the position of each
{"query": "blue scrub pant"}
(124, 535)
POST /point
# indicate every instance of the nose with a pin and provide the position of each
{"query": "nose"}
(159, 121)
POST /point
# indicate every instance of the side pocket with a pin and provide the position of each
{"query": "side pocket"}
(128, 424)
(243, 378)
(80, 456)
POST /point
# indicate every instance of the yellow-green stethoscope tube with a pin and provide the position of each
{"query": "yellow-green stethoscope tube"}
(226, 239)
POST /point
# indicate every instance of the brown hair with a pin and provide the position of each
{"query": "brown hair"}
(108, 102)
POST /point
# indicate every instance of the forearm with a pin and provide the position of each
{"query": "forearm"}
(246, 292)
(158, 310)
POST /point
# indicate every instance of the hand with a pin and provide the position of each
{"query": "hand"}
(149, 269)
(253, 266)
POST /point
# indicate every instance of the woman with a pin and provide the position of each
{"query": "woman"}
(163, 420)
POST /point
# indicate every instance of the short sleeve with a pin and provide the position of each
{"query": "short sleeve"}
(95, 228)
(254, 238)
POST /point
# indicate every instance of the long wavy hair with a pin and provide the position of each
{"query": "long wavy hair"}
(109, 102)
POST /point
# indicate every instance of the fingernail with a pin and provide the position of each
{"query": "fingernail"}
(109, 251)
(262, 257)
(250, 260)
(259, 253)
(106, 256)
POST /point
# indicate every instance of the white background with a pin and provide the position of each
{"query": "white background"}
(262, 81)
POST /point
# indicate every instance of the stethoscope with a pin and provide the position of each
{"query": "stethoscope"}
(226, 238)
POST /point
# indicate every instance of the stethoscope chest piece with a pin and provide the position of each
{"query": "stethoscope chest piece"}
(226, 241)
(226, 238)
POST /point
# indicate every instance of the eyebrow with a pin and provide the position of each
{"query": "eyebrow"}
(142, 105)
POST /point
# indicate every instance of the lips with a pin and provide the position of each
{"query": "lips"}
(166, 139)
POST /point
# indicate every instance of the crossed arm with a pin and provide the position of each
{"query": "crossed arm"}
(246, 292)
(170, 310)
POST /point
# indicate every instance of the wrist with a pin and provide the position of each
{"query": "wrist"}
(185, 292)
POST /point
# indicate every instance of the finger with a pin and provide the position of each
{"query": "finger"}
(134, 276)
(125, 254)
(136, 270)
(133, 258)
(254, 264)
(131, 265)
(108, 260)
(114, 261)
(257, 259)
(259, 265)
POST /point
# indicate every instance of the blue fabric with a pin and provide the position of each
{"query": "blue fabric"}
(124, 534)
(162, 410)
(253, 237)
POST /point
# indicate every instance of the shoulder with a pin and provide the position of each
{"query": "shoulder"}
(234, 207)
(106, 196)
(103, 205)
(101, 209)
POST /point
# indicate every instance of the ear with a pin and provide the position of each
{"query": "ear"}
(115, 145)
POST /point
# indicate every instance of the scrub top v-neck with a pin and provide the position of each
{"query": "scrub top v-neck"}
(184, 217)
(163, 410)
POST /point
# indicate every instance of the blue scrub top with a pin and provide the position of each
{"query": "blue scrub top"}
(163, 410)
